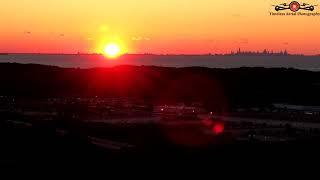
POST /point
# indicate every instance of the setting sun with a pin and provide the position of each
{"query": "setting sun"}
(112, 50)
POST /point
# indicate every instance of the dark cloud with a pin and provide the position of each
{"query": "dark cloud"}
(236, 15)
(139, 38)
(242, 41)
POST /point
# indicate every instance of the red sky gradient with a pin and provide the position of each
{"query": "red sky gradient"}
(159, 26)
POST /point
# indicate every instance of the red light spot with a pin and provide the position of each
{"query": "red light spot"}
(218, 128)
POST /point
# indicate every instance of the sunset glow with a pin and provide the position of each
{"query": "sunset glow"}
(112, 50)
(159, 27)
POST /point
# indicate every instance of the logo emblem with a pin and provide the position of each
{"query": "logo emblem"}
(294, 6)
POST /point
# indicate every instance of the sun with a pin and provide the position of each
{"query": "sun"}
(112, 50)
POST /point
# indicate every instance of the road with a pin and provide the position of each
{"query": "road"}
(304, 125)
(144, 120)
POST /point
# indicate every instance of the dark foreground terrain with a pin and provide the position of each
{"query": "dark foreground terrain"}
(118, 117)
(25, 148)
(216, 88)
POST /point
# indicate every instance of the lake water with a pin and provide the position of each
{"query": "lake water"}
(90, 61)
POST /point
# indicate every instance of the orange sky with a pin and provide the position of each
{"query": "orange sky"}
(154, 26)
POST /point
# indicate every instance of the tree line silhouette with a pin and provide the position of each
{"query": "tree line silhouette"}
(215, 88)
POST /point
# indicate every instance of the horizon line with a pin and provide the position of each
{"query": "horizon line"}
(169, 54)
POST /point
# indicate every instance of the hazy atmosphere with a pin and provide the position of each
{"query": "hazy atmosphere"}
(160, 27)
(94, 84)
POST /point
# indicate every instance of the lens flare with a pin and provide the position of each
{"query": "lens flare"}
(218, 128)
